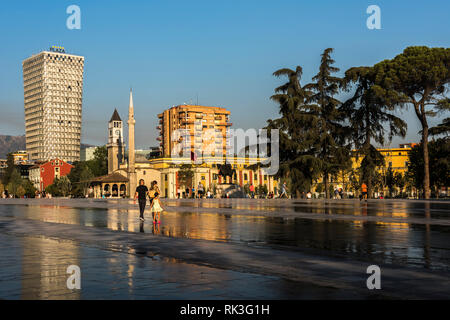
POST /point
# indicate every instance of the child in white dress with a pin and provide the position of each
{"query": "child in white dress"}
(156, 208)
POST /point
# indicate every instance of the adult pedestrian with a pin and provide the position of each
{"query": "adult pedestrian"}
(336, 193)
(141, 194)
(153, 189)
(283, 190)
(200, 190)
(252, 191)
(364, 191)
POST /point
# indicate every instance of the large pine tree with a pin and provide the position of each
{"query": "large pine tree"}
(330, 134)
(419, 77)
(367, 115)
(297, 141)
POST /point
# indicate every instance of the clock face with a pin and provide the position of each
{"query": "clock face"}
(117, 132)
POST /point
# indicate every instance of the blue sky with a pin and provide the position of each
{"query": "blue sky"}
(224, 52)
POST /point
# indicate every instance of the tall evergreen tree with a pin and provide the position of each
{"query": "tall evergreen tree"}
(330, 134)
(367, 115)
(297, 160)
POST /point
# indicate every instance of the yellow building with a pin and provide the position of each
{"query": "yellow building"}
(207, 173)
(395, 158)
(199, 121)
(20, 156)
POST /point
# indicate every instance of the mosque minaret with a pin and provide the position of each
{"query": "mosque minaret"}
(131, 149)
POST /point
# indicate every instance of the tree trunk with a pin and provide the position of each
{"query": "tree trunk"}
(426, 165)
(325, 180)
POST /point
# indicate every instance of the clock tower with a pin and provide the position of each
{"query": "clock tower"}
(115, 142)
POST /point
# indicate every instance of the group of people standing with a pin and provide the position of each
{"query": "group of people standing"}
(141, 194)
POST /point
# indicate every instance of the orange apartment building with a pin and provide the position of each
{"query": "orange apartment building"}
(197, 120)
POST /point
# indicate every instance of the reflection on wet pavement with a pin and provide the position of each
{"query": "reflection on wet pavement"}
(35, 268)
(384, 208)
(419, 245)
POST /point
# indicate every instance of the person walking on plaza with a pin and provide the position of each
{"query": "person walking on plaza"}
(283, 190)
(156, 209)
(153, 189)
(200, 190)
(141, 194)
(252, 191)
(341, 193)
(336, 193)
(364, 191)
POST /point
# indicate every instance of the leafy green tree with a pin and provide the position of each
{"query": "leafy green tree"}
(419, 77)
(439, 153)
(10, 167)
(367, 116)
(262, 190)
(80, 178)
(30, 190)
(372, 161)
(330, 133)
(319, 187)
(354, 181)
(400, 181)
(99, 165)
(20, 192)
(377, 181)
(64, 186)
(390, 181)
(53, 189)
(246, 188)
(15, 182)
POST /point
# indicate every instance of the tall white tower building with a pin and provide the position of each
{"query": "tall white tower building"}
(115, 144)
(53, 92)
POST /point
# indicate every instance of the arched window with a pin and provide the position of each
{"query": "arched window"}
(123, 190)
(115, 190)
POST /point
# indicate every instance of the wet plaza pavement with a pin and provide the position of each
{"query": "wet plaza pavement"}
(301, 249)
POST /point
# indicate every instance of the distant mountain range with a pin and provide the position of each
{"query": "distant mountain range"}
(11, 144)
(15, 143)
